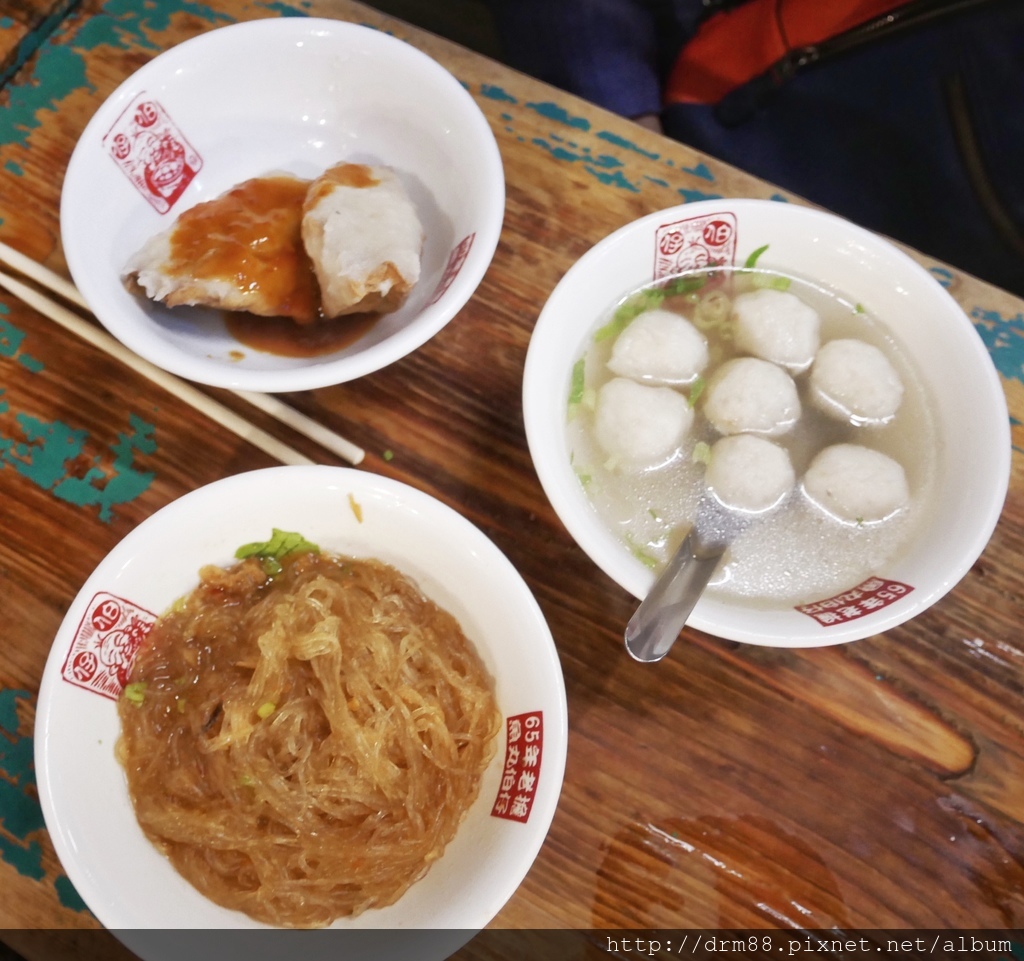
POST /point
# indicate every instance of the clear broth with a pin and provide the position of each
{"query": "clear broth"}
(796, 553)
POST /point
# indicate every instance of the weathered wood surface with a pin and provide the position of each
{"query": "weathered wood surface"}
(876, 785)
(24, 25)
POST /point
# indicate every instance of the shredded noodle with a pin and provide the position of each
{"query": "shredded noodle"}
(303, 746)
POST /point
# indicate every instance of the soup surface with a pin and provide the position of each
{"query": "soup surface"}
(796, 551)
(303, 744)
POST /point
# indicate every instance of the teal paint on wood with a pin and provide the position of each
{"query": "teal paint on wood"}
(21, 817)
(49, 453)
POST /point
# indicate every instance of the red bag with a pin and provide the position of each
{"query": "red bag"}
(735, 46)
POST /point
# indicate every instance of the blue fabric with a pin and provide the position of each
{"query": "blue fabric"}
(869, 135)
(614, 53)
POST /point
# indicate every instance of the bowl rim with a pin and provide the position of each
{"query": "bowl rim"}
(474, 546)
(571, 507)
(319, 373)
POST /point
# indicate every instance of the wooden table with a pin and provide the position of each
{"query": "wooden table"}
(873, 785)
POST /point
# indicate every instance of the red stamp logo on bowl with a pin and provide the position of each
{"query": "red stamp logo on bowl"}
(105, 644)
(455, 261)
(524, 746)
(872, 595)
(694, 244)
(152, 152)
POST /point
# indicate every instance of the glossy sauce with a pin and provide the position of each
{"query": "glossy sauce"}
(286, 338)
(250, 238)
(344, 175)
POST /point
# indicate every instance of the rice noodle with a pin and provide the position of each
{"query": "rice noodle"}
(302, 747)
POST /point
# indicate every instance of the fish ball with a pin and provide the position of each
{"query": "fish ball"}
(778, 326)
(856, 484)
(640, 425)
(749, 473)
(853, 380)
(749, 395)
(659, 347)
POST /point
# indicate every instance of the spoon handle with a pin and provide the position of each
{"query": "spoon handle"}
(654, 627)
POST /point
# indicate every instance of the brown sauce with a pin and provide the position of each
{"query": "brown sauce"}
(250, 238)
(286, 338)
(343, 175)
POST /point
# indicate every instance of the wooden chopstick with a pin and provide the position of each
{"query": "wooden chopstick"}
(269, 404)
(186, 392)
(43, 276)
(304, 425)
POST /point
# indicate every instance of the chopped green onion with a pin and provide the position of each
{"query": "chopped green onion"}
(645, 558)
(271, 566)
(696, 390)
(701, 453)
(270, 552)
(265, 710)
(613, 328)
(752, 260)
(685, 285)
(576, 386)
(136, 692)
(388, 455)
(629, 310)
(764, 279)
(178, 605)
(280, 543)
(641, 553)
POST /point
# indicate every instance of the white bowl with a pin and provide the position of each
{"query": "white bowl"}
(122, 878)
(971, 414)
(284, 94)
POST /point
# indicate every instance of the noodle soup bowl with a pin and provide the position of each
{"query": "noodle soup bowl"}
(295, 95)
(959, 389)
(126, 882)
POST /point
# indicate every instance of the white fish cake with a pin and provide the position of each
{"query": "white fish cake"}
(750, 395)
(659, 347)
(148, 270)
(640, 426)
(362, 233)
(749, 473)
(857, 485)
(241, 250)
(777, 325)
(854, 381)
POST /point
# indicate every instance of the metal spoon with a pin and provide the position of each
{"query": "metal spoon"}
(653, 629)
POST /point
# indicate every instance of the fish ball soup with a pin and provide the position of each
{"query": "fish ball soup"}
(789, 405)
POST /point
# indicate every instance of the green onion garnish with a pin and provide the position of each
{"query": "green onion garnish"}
(135, 692)
(751, 261)
(270, 552)
(576, 385)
